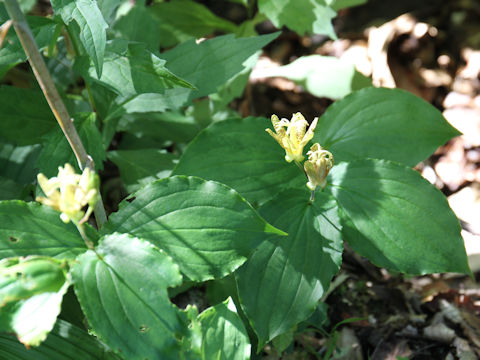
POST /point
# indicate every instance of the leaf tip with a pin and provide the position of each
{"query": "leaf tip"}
(269, 229)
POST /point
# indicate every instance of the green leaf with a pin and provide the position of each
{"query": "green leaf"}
(211, 63)
(57, 152)
(122, 289)
(342, 4)
(22, 278)
(182, 20)
(130, 69)
(17, 171)
(322, 76)
(301, 16)
(166, 126)
(149, 103)
(11, 52)
(397, 219)
(9, 189)
(31, 292)
(235, 86)
(224, 335)
(126, 26)
(382, 123)
(32, 229)
(206, 227)
(283, 341)
(108, 7)
(75, 344)
(18, 162)
(240, 154)
(25, 115)
(140, 167)
(281, 283)
(91, 25)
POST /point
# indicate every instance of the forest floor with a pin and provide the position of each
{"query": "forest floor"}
(433, 52)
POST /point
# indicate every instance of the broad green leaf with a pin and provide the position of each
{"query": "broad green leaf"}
(211, 63)
(126, 27)
(240, 154)
(122, 289)
(32, 319)
(226, 85)
(182, 20)
(130, 69)
(140, 167)
(322, 76)
(11, 52)
(397, 219)
(108, 7)
(75, 344)
(148, 103)
(281, 283)
(235, 86)
(32, 229)
(224, 335)
(283, 341)
(301, 16)
(22, 278)
(25, 115)
(31, 293)
(382, 123)
(91, 24)
(206, 227)
(57, 152)
(18, 162)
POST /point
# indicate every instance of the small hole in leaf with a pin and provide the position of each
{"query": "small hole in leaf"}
(143, 328)
(13, 239)
(130, 199)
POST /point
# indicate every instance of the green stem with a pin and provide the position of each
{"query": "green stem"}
(81, 230)
(51, 94)
(300, 166)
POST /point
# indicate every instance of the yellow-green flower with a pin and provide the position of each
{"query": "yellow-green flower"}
(317, 166)
(292, 135)
(69, 193)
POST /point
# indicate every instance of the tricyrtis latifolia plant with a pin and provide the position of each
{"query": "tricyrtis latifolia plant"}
(227, 209)
(185, 227)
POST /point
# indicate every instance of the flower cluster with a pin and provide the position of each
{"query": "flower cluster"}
(292, 135)
(69, 193)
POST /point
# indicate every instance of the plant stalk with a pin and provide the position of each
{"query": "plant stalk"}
(51, 94)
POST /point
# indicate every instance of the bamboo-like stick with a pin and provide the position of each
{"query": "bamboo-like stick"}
(51, 94)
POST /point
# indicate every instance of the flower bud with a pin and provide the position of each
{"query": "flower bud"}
(317, 166)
